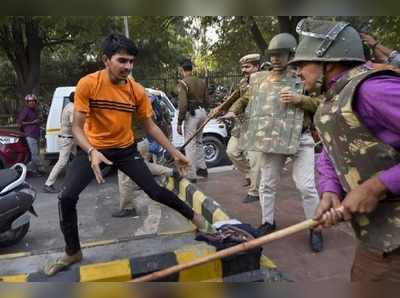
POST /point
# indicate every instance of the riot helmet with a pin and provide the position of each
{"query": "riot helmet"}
(283, 42)
(327, 41)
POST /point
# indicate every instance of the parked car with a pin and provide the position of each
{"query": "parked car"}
(215, 135)
(13, 148)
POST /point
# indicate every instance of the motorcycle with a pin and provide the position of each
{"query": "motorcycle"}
(16, 199)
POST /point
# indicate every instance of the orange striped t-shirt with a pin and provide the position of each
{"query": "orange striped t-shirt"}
(108, 108)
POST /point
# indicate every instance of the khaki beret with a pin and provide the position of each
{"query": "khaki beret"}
(250, 58)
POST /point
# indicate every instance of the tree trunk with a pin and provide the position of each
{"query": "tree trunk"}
(288, 24)
(22, 43)
(257, 36)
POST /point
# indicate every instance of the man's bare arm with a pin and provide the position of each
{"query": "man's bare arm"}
(95, 157)
(153, 130)
(78, 123)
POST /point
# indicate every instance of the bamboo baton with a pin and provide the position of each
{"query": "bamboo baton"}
(304, 225)
(307, 224)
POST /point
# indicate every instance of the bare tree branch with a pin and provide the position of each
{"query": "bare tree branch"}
(257, 35)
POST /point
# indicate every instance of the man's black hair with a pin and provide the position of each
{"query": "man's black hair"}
(71, 96)
(115, 43)
(186, 64)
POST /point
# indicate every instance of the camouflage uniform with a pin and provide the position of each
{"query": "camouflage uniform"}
(235, 154)
(358, 155)
(353, 154)
(246, 162)
(277, 131)
(192, 95)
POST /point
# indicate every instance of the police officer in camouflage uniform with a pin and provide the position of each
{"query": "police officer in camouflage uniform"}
(246, 162)
(193, 100)
(359, 169)
(279, 127)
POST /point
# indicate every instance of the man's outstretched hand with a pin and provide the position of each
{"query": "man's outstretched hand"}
(96, 158)
(182, 163)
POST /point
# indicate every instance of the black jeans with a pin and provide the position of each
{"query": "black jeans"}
(79, 175)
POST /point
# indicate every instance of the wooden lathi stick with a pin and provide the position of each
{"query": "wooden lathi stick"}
(221, 107)
(304, 225)
(200, 129)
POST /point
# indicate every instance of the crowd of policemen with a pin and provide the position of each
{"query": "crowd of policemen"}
(327, 82)
(268, 129)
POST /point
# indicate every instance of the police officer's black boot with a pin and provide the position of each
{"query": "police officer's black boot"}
(250, 199)
(316, 241)
(266, 228)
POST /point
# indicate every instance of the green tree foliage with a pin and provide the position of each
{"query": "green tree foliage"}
(162, 42)
(38, 54)
(236, 38)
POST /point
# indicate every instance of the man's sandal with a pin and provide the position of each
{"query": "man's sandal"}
(58, 265)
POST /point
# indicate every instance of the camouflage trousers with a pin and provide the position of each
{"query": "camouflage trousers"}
(127, 187)
(194, 150)
(303, 176)
(247, 163)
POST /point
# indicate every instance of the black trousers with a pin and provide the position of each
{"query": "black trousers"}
(80, 174)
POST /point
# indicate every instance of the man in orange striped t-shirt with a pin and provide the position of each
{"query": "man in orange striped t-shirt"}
(104, 102)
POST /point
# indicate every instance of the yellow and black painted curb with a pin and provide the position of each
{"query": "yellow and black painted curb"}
(127, 269)
(206, 206)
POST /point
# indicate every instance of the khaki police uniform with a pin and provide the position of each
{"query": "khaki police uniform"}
(65, 142)
(192, 95)
(246, 162)
(277, 131)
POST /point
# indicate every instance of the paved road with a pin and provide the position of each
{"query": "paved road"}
(292, 255)
(95, 206)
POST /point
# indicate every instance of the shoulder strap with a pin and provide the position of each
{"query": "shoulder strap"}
(360, 72)
(185, 84)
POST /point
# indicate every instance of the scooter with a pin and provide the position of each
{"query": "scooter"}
(16, 199)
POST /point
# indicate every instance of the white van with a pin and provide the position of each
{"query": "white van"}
(53, 125)
(215, 134)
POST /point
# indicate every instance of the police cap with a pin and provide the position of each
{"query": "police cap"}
(250, 58)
